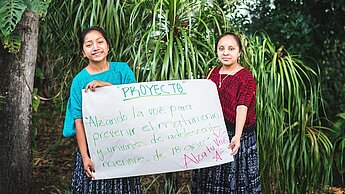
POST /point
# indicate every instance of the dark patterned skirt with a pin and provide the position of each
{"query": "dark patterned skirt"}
(239, 176)
(82, 184)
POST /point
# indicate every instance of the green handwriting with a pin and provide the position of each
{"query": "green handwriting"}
(149, 90)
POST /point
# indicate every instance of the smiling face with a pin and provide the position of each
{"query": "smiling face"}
(95, 46)
(228, 50)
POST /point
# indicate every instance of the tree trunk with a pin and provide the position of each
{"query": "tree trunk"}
(16, 79)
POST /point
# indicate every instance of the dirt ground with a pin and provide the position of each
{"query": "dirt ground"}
(54, 157)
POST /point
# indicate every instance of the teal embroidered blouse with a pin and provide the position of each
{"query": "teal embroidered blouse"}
(118, 73)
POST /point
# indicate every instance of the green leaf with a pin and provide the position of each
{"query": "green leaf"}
(11, 12)
(12, 42)
(341, 115)
(340, 158)
(40, 6)
(35, 100)
(39, 73)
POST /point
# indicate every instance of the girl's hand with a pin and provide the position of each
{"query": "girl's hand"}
(235, 144)
(88, 167)
(95, 84)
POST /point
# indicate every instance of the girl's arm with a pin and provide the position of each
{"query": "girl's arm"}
(241, 115)
(82, 144)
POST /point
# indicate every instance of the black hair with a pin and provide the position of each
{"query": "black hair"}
(237, 39)
(86, 30)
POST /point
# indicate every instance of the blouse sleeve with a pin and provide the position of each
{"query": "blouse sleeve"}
(68, 126)
(73, 110)
(76, 100)
(128, 75)
(247, 91)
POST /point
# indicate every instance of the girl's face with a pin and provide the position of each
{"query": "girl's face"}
(228, 50)
(95, 46)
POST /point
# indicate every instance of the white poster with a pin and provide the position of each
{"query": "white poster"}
(155, 127)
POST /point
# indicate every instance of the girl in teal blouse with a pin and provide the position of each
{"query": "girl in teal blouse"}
(98, 73)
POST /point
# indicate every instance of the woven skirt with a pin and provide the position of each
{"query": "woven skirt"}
(81, 184)
(239, 176)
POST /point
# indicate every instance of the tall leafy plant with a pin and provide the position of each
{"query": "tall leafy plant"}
(292, 143)
(315, 33)
(176, 40)
(159, 39)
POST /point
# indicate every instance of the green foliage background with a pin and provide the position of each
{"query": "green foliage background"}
(313, 30)
(296, 62)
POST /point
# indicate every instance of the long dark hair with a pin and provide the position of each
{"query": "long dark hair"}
(86, 30)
